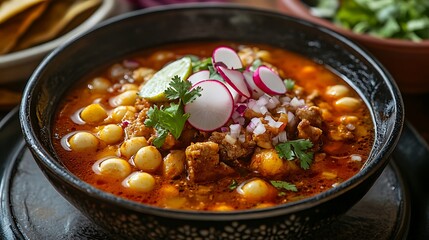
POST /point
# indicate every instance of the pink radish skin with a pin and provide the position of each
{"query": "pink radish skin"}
(199, 76)
(213, 108)
(227, 56)
(235, 79)
(254, 90)
(269, 81)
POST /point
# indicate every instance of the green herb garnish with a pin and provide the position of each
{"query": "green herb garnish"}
(291, 150)
(284, 185)
(233, 185)
(171, 119)
(403, 19)
(290, 84)
(200, 64)
(255, 64)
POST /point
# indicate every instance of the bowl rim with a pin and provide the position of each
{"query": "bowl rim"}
(54, 167)
(299, 9)
(104, 10)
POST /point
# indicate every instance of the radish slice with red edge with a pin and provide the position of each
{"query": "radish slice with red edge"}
(236, 97)
(235, 79)
(269, 81)
(254, 90)
(228, 56)
(199, 76)
(213, 108)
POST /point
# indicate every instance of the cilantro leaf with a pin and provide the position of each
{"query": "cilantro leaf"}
(180, 90)
(255, 64)
(284, 185)
(203, 64)
(384, 18)
(297, 149)
(290, 84)
(233, 185)
(164, 120)
(214, 74)
(171, 119)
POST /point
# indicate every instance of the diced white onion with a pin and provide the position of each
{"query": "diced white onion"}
(281, 110)
(263, 110)
(356, 157)
(242, 138)
(350, 127)
(230, 139)
(335, 184)
(272, 122)
(297, 103)
(285, 99)
(260, 129)
(290, 117)
(235, 130)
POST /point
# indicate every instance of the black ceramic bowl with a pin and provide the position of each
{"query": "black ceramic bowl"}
(147, 28)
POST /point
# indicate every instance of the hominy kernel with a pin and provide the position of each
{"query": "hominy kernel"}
(141, 182)
(99, 84)
(347, 104)
(118, 113)
(132, 145)
(83, 141)
(337, 91)
(111, 133)
(115, 167)
(127, 98)
(93, 113)
(256, 189)
(148, 159)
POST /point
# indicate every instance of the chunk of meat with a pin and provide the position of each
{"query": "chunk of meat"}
(231, 152)
(306, 131)
(203, 163)
(313, 114)
(173, 164)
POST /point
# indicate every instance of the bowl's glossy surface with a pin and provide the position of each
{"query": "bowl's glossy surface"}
(18, 66)
(152, 27)
(407, 61)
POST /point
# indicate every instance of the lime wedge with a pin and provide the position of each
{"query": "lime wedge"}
(154, 88)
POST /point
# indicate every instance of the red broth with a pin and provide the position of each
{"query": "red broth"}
(242, 173)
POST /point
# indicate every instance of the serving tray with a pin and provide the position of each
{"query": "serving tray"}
(30, 208)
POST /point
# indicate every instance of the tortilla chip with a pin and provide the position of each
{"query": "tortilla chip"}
(9, 99)
(56, 17)
(10, 8)
(15, 26)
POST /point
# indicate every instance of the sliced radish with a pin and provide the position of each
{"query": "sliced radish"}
(268, 81)
(213, 108)
(228, 56)
(254, 90)
(236, 97)
(235, 79)
(199, 76)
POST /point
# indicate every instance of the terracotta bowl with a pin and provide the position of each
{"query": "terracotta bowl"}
(407, 61)
(147, 28)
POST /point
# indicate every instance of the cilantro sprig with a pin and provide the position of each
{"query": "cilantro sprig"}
(171, 119)
(299, 148)
(283, 185)
(403, 19)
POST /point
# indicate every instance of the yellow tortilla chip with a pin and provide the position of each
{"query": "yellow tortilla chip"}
(14, 27)
(56, 17)
(10, 8)
(9, 99)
